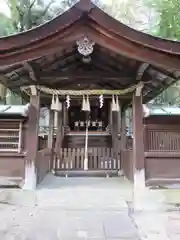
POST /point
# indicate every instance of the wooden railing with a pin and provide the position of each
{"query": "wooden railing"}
(98, 158)
(166, 138)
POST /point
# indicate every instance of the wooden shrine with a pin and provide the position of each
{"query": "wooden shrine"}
(87, 68)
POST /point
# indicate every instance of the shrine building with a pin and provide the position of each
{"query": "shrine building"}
(86, 69)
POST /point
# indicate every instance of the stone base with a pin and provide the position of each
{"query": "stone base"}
(30, 180)
(10, 182)
(144, 198)
(140, 191)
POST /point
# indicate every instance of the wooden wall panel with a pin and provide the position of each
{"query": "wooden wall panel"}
(162, 167)
(12, 166)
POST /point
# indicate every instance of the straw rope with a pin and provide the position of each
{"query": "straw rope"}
(51, 91)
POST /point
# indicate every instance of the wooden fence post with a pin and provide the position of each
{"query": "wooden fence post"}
(138, 152)
(32, 143)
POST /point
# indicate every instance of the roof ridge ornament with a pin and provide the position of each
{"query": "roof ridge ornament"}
(85, 46)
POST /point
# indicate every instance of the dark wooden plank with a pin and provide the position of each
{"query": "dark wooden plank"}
(77, 158)
(61, 156)
(91, 158)
(138, 133)
(108, 155)
(65, 158)
(82, 158)
(95, 159)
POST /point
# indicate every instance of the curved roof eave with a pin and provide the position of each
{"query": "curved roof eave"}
(68, 18)
(122, 30)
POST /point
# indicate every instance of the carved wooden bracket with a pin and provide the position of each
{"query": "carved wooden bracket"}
(30, 70)
(141, 71)
(139, 90)
(34, 91)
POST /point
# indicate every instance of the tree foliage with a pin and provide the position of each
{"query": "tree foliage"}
(133, 13)
(26, 14)
(6, 27)
(166, 25)
(167, 19)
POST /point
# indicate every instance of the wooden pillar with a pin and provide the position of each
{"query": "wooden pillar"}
(114, 127)
(123, 139)
(123, 130)
(59, 133)
(65, 115)
(65, 118)
(32, 143)
(138, 137)
(119, 122)
(115, 141)
(59, 140)
(51, 128)
(118, 139)
(138, 153)
(55, 120)
(50, 137)
(110, 115)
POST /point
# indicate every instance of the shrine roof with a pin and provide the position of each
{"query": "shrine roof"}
(122, 57)
(164, 110)
(13, 110)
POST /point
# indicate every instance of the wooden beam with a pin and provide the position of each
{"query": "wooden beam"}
(167, 72)
(4, 80)
(83, 76)
(10, 68)
(114, 61)
(117, 84)
(102, 67)
(159, 78)
(63, 66)
(30, 70)
(103, 84)
(63, 58)
(108, 62)
(141, 70)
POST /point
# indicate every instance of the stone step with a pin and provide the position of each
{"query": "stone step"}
(83, 173)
